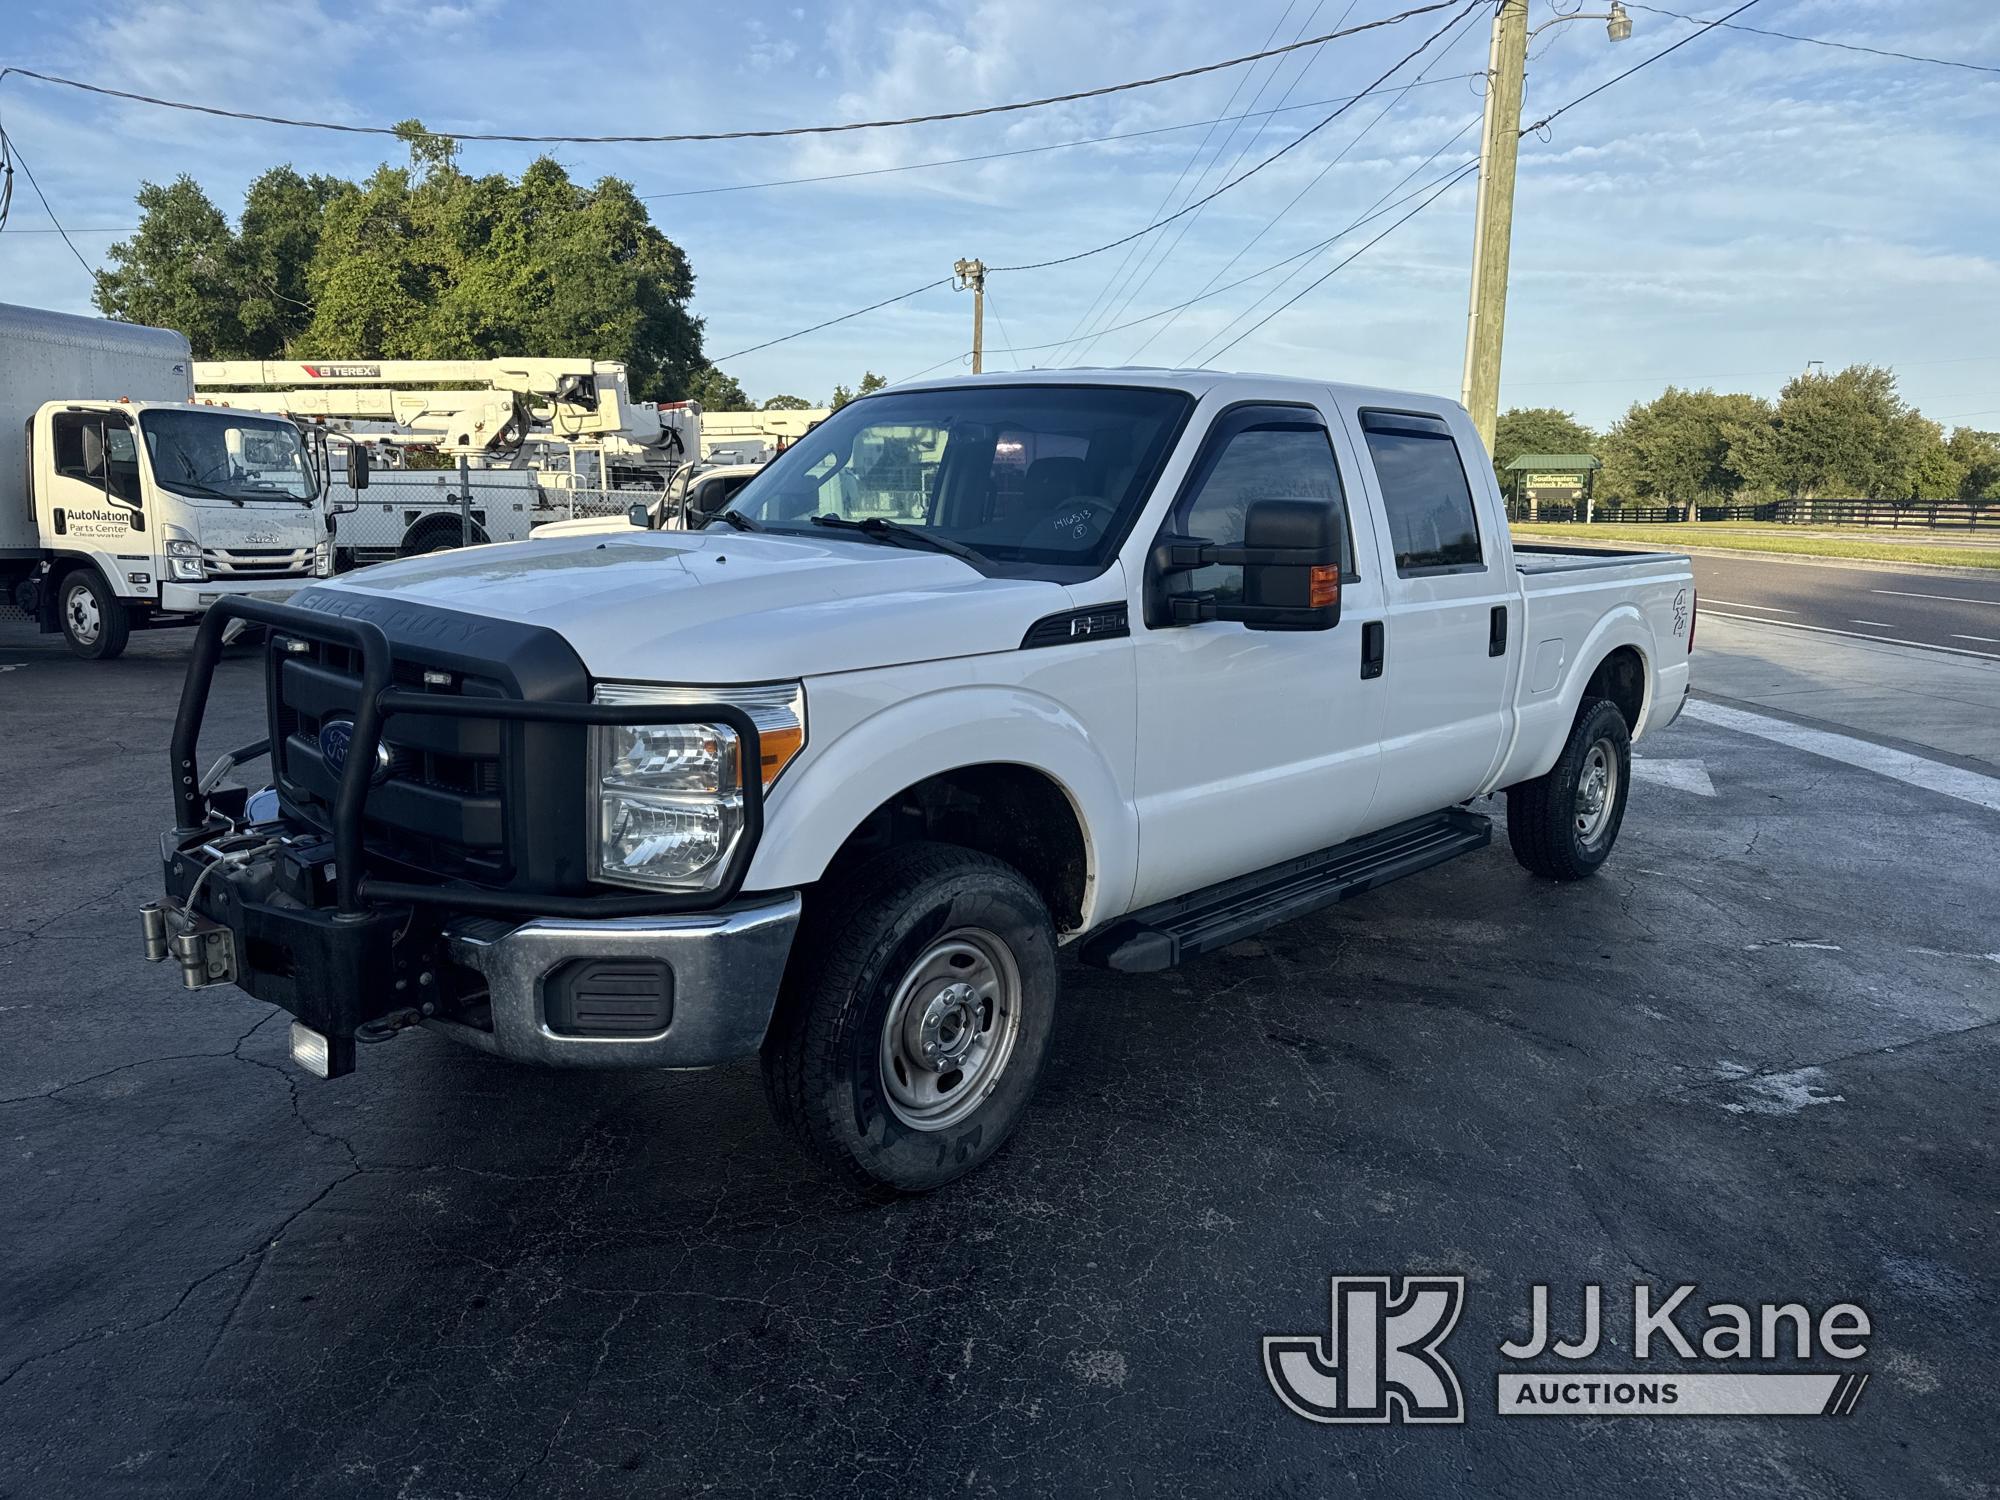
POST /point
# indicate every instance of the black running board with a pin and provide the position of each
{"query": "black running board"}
(1201, 922)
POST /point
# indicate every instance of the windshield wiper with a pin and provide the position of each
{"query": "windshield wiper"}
(737, 519)
(899, 535)
(208, 490)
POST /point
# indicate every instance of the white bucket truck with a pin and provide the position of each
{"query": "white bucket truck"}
(123, 505)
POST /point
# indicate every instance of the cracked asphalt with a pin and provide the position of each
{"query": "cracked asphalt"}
(1756, 1053)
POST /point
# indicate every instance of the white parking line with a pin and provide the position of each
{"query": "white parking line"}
(1947, 598)
(1767, 608)
(1899, 765)
(1991, 640)
(1876, 624)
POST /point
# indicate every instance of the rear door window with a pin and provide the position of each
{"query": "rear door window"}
(1432, 523)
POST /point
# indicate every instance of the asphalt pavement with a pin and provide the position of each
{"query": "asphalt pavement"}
(1756, 1052)
(1914, 607)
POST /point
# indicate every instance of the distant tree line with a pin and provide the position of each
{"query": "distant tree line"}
(1845, 434)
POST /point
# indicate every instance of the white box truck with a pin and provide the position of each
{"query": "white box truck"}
(122, 504)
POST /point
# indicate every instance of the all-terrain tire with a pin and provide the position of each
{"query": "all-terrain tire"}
(880, 939)
(1557, 829)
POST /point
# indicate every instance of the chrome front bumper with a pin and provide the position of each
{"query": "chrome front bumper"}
(725, 967)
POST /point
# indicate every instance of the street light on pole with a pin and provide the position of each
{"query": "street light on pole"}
(1493, 222)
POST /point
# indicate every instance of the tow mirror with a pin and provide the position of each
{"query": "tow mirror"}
(358, 463)
(1290, 557)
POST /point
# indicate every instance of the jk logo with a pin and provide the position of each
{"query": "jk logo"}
(1381, 1362)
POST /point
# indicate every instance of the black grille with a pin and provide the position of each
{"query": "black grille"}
(441, 805)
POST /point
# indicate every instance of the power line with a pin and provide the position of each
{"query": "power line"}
(785, 338)
(1106, 293)
(1819, 41)
(1644, 62)
(1341, 155)
(1375, 211)
(12, 154)
(1445, 187)
(1469, 7)
(1195, 355)
(955, 161)
(1300, 140)
(1168, 248)
(727, 135)
(1449, 183)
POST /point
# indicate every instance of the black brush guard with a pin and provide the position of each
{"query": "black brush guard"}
(331, 969)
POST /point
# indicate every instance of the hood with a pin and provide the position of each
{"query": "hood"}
(728, 607)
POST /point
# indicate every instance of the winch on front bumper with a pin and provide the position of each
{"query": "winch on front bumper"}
(307, 918)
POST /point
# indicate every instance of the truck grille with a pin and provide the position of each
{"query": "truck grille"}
(256, 562)
(440, 805)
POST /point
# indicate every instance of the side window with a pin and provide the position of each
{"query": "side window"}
(1274, 460)
(68, 431)
(1431, 519)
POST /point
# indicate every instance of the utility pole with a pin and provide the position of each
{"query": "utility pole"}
(972, 273)
(1493, 221)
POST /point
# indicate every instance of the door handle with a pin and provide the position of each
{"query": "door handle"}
(1372, 649)
(1496, 631)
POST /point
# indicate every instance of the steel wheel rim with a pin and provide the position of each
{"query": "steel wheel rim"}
(1596, 791)
(81, 607)
(951, 1029)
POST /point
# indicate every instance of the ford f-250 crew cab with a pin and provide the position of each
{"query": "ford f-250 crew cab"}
(1138, 662)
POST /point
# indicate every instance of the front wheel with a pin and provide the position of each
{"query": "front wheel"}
(915, 1017)
(94, 622)
(1562, 825)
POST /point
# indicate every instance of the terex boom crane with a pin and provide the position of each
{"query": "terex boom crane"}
(495, 412)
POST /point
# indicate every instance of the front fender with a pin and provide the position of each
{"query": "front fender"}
(946, 730)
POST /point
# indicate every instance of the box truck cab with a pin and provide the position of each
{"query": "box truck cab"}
(131, 507)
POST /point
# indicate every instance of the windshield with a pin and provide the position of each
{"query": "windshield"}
(1040, 474)
(209, 453)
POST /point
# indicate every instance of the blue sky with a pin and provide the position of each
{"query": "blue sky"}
(1721, 218)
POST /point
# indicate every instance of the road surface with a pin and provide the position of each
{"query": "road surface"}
(1912, 608)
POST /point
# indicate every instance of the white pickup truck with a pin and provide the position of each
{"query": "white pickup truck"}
(1133, 662)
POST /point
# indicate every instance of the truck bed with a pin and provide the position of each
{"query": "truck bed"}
(1533, 560)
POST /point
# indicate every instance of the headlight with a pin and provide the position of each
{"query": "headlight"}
(322, 560)
(183, 556)
(669, 797)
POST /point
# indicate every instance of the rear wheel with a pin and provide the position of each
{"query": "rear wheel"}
(1562, 825)
(915, 1017)
(94, 622)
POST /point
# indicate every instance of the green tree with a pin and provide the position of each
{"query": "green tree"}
(786, 403)
(717, 391)
(1935, 472)
(276, 240)
(178, 271)
(1847, 434)
(1683, 447)
(1978, 455)
(421, 261)
(870, 383)
(1537, 429)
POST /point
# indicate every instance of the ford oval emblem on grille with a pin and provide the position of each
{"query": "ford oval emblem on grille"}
(335, 735)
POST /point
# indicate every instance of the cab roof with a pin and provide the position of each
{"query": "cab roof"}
(1194, 382)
